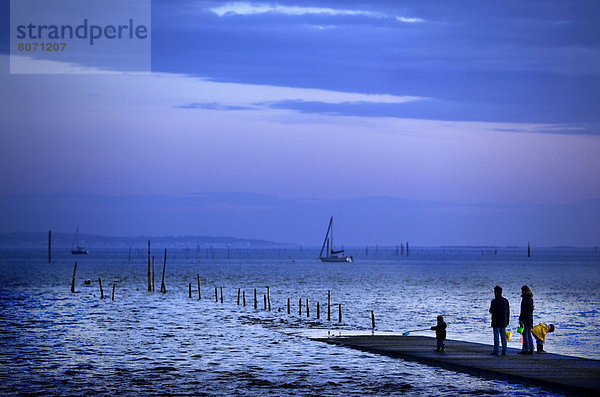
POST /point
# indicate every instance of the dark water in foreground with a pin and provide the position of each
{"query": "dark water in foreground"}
(56, 342)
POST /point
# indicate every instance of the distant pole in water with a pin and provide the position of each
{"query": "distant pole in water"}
(244, 297)
(113, 292)
(149, 270)
(101, 290)
(73, 280)
(269, 298)
(216, 295)
(49, 246)
(402, 249)
(238, 300)
(300, 306)
(318, 310)
(265, 296)
(288, 306)
(221, 288)
(163, 288)
(528, 250)
(190, 289)
(372, 319)
(407, 252)
(255, 301)
(340, 313)
(199, 291)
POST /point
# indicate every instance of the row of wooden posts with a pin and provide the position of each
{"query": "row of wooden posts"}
(241, 298)
(240, 293)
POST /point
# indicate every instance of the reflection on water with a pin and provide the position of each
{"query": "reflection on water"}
(55, 342)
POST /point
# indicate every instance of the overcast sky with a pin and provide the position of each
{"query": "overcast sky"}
(457, 112)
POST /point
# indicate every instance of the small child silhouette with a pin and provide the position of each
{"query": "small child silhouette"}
(440, 333)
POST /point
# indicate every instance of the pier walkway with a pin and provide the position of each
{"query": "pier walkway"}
(562, 373)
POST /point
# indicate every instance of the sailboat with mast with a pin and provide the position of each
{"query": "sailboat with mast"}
(332, 255)
(76, 249)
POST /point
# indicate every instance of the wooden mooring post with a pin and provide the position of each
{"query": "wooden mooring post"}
(255, 301)
(190, 289)
(163, 288)
(73, 280)
(221, 288)
(307, 308)
(199, 290)
(269, 298)
(153, 273)
(329, 305)
(149, 270)
(372, 319)
(101, 290)
(340, 313)
(244, 297)
(113, 292)
(265, 296)
(300, 306)
(238, 299)
(288, 306)
(318, 310)
(216, 295)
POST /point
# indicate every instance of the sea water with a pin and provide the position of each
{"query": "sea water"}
(53, 341)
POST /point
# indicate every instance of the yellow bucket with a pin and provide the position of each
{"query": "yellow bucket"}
(508, 335)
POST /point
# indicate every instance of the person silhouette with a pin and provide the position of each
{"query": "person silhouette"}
(500, 310)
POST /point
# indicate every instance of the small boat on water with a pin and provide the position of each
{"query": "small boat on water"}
(76, 249)
(330, 254)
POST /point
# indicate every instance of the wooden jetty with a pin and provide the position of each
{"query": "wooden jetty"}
(555, 371)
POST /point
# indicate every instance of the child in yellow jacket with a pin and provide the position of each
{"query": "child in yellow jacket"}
(539, 333)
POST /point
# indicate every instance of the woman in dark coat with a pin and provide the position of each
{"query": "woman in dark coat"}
(526, 319)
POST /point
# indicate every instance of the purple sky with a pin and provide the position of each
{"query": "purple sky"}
(472, 135)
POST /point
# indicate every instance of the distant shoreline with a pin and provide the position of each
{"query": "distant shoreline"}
(63, 239)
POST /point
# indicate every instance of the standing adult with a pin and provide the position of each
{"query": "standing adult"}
(526, 319)
(500, 310)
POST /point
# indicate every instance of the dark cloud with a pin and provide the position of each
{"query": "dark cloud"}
(428, 109)
(528, 62)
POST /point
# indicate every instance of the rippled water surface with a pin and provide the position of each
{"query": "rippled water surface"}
(57, 342)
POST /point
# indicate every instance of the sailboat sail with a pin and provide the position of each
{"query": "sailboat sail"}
(76, 249)
(332, 255)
